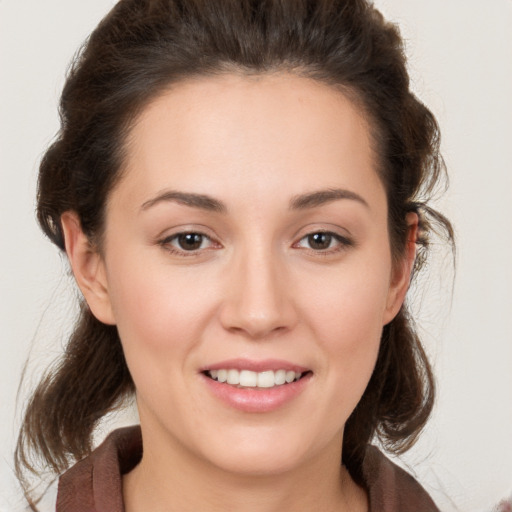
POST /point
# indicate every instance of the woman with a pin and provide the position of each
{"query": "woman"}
(241, 189)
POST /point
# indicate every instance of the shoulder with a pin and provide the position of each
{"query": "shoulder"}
(94, 483)
(392, 489)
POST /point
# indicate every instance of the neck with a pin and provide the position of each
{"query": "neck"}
(169, 479)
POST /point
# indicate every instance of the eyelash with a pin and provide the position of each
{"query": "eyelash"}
(342, 243)
(167, 241)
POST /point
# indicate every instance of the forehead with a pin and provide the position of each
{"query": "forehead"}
(261, 133)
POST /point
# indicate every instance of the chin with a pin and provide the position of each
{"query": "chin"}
(260, 454)
(258, 465)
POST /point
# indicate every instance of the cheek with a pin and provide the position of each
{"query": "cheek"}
(345, 313)
(349, 304)
(160, 318)
(160, 313)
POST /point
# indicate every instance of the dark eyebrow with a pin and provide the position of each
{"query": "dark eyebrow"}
(201, 201)
(300, 202)
(320, 197)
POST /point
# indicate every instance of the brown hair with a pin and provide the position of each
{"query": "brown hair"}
(137, 51)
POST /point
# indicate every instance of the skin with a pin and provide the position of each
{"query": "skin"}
(256, 288)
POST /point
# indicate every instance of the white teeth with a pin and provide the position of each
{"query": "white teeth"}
(233, 377)
(266, 379)
(249, 379)
(290, 376)
(280, 377)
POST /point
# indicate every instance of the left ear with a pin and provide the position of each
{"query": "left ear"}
(401, 273)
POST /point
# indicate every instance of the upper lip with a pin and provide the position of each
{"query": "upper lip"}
(256, 366)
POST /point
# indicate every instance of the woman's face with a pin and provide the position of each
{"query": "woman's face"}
(247, 239)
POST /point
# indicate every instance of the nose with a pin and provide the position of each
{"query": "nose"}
(258, 301)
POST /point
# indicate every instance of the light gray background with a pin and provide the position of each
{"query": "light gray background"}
(460, 55)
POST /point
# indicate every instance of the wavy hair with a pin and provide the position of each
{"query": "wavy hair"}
(138, 50)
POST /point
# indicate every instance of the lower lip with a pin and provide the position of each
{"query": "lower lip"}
(257, 399)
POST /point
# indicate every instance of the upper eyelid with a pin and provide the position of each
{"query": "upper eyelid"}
(340, 238)
(343, 237)
(184, 229)
(178, 233)
(332, 229)
(166, 244)
(174, 236)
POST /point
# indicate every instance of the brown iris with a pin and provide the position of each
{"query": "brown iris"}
(320, 241)
(190, 241)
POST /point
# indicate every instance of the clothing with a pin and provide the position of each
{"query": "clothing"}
(94, 483)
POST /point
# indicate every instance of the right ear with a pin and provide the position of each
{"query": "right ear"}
(88, 268)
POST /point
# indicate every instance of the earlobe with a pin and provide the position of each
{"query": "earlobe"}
(88, 268)
(402, 272)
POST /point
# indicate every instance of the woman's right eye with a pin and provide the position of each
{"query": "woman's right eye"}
(187, 242)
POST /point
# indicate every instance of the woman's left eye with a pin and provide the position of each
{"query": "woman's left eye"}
(323, 241)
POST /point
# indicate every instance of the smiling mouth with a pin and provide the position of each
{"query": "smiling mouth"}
(249, 379)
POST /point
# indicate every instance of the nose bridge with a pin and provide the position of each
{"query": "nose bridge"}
(258, 302)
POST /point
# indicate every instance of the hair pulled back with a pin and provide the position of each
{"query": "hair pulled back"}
(139, 50)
